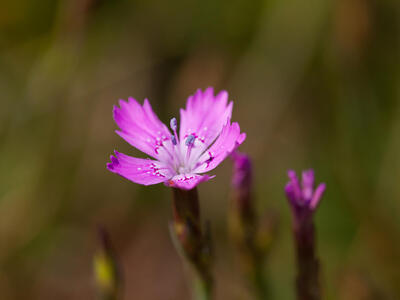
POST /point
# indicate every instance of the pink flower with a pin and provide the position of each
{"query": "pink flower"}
(303, 197)
(206, 137)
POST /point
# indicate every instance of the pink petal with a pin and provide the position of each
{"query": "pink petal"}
(296, 189)
(319, 191)
(204, 117)
(187, 181)
(139, 170)
(141, 128)
(289, 190)
(229, 139)
(307, 183)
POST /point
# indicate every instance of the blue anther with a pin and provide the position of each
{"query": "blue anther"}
(190, 140)
(173, 140)
(174, 124)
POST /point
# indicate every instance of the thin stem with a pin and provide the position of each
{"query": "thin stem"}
(307, 282)
(245, 227)
(194, 242)
(260, 283)
(252, 257)
(202, 289)
(106, 269)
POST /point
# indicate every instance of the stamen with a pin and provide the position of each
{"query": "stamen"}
(173, 140)
(189, 143)
(174, 124)
(190, 140)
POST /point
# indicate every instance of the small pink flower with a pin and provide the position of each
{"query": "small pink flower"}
(206, 137)
(303, 197)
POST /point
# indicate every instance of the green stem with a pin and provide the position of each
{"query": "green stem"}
(202, 289)
(192, 241)
(260, 283)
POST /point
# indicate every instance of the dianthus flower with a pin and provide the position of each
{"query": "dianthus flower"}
(206, 137)
(302, 197)
(304, 200)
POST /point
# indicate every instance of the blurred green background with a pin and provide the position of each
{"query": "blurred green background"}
(315, 84)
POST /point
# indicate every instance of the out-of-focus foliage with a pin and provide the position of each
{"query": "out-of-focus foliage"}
(315, 84)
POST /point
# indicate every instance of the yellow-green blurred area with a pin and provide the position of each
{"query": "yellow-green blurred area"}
(314, 83)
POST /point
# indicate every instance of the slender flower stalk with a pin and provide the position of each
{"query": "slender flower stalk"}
(193, 240)
(251, 235)
(304, 200)
(106, 270)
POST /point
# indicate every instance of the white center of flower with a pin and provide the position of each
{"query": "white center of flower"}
(181, 155)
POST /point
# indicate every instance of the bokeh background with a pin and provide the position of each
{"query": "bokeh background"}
(315, 84)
